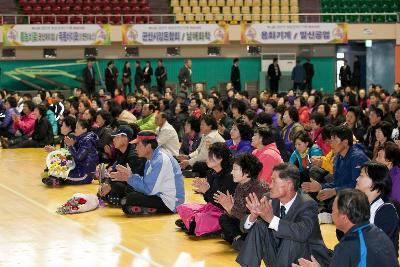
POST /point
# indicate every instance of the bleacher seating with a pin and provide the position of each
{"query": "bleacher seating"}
(234, 11)
(104, 11)
(360, 6)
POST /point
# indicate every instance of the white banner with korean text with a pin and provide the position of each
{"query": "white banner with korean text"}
(293, 33)
(174, 34)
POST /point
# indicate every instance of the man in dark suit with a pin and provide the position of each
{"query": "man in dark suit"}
(235, 75)
(309, 68)
(139, 76)
(109, 75)
(282, 229)
(356, 72)
(161, 76)
(345, 74)
(274, 75)
(185, 75)
(89, 78)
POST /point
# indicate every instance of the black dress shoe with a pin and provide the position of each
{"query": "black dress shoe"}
(180, 224)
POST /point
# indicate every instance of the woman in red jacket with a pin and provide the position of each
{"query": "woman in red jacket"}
(267, 152)
(301, 106)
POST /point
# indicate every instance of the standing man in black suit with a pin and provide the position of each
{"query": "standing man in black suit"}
(345, 74)
(139, 76)
(357, 72)
(235, 75)
(89, 78)
(111, 82)
(309, 68)
(161, 76)
(185, 76)
(274, 75)
(282, 229)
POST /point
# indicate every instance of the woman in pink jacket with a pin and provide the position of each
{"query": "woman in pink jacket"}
(266, 151)
(25, 124)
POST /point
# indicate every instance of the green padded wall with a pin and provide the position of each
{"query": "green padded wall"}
(209, 70)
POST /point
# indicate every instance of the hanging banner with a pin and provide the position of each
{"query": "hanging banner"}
(294, 33)
(56, 35)
(174, 34)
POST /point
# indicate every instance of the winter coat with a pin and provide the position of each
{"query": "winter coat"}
(84, 152)
(295, 158)
(269, 156)
(243, 147)
(26, 124)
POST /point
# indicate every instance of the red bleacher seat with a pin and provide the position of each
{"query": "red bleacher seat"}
(49, 20)
(61, 20)
(27, 9)
(96, 9)
(117, 10)
(37, 9)
(106, 10)
(41, 2)
(76, 20)
(77, 10)
(69, 2)
(65, 9)
(115, 20)
(89, 20)
(51, 2)
(62, 2)
(56, 9)
(126, 10)
(86, 10)
(101, 20)
(47, 9)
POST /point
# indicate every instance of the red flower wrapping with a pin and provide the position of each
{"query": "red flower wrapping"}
(233, 147)
(82, 201)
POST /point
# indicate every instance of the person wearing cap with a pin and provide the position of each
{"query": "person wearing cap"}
(167, 137)
(161, 188)
(147, 122)
(113, 192)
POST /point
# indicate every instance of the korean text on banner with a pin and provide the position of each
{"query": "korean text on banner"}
(56, 35)
(175, 34)
(294, 33)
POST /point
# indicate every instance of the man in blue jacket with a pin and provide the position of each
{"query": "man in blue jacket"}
(346, 168)
(161, 188)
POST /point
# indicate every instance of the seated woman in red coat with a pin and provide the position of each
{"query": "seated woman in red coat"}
(267, 152)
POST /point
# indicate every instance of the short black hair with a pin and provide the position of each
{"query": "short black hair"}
(194, 123)
(355, 110)
(110, 63)
(327, 108)
(246, 132)
(272, 103)
(153, 143)
(378, 112)
(249, 164)
(70, 122)
(219, 108)
(85, 124)
(302, 100)
(288, 171)
(221, 151)
(152, 107)
(304, 137)
(343, 132)
(392, 153)
(42, 110)
(12, 101)
(379, 174)
(235, 60)
(386, 128)
(293, 113)
(251, 114)
(319, 119)
(354, 204)
(264, 118)
(30, 104)
(267, 136)
(197, 100)
(210, 121)
(239, 105)
(326, 132)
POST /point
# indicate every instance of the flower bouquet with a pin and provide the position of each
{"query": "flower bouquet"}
(60, 163)
(79, 203)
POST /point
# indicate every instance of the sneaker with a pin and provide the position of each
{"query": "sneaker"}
(325, 218)
(180, 224)
(136, 210)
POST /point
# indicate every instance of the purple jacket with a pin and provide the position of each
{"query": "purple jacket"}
(243, 147)
(84, 152)
(395, 175)
(8, 122)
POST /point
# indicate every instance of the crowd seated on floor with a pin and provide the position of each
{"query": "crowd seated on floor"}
(271, 168)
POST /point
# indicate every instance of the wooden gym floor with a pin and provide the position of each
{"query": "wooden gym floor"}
(32, 234)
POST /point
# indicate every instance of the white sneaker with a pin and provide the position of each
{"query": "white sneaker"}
(325, 218)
